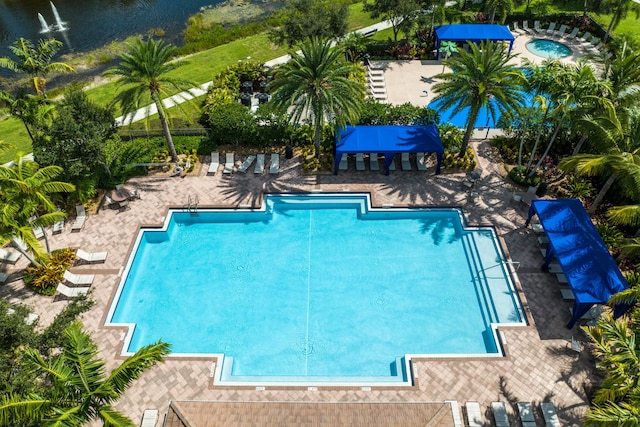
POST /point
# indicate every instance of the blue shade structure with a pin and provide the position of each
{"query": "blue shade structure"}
(389, 140)
(592, 273)
(474, 33)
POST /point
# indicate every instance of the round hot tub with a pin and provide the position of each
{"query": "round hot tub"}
(548, 48)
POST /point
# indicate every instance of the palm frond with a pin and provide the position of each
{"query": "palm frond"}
(121, 377)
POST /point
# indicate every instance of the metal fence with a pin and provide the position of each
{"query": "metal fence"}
(145, 133)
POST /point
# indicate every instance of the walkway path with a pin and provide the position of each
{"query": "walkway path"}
(179, 98)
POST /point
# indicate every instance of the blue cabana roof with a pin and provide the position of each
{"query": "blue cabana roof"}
(592, 273)
(388, 140)
(474, 33)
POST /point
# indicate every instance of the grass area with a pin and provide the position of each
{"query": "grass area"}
(14, 133)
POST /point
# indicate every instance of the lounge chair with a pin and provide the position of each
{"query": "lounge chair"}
(245, 165)
(474, 414)
(526, 414)
(406, 163)
(560, 31)
(375, 70)
(525, 27)
(259, 164)
(500, 414)
(584, 38)
(78, 279)
(3, 277)
(91, 256)
(81, 217)
(375, 77)
(373, 162)
(71, 292)
(215, 163)
(344, 162)
(9, 257)
(573, 34)
(543, 240)
(360, 162)
(377, 84)
(38, 232)
(455, 412)
(567, 294)
(421, 162)
(549, 414)
(149, 418)
(274, 168)
(536, 27)
(228, 164)
(555, 268)
(517, 31)
(378, 90)
(58, 226)
(551, 28)
(562, 279)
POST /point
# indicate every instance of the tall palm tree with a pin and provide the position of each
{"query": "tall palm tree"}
(620, 9)
(624, 74)
(503, 7)
(315, 83)
(25, 196)
(79, 391)
(36, 61)
(143, 72)
(480, 79)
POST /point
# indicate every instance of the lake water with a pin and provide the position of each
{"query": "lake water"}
(93, 23)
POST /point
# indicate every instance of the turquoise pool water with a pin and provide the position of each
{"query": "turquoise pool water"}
(316, 286)
(548, 48)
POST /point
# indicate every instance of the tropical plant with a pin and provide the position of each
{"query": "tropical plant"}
(395, 11)
(36, 61)
(447, 49)
(79, 391)
(480, 79)
(624, 74)
(143, 71)
(620, 9)
(303, 19)
(502, 7)
(32, 111)
(315, 84)
(26, 192)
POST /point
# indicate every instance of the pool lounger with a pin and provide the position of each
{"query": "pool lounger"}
(149, 418)
(259, 164)
(275, 163)
(81, 217)
(562, 279)
(71, 292)
(500, 414)
(215, 163)
(560, 32)
(567, 294)
(9, 257)
(344, 162)
(245, 165)
(550, 415)
(455, 411)
(78, 279)
(526, 414)
(3, 277)
(228, 164)
(360, 162)
(573, 34)
(406, 163)
(474, 414)
(373, 162)
(421, 162)
(551, 28)
(58, 226)
(91, 256)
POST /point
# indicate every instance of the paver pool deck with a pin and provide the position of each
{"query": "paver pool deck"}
(538, 366)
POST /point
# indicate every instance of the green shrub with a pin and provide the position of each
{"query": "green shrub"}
(451, 136)
(519, 176)
(611, 235)
(579, 188)
(506, 147)
(44, 279)
(451, 160)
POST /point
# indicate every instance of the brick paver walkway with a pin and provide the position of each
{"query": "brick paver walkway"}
(537, 367)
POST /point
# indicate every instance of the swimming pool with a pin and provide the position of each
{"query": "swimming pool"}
(548, 48)
(316, 288)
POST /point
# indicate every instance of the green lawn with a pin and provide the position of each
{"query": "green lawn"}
(14, 133)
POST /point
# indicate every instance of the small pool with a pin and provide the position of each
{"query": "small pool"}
(317, 289)
(548, 48)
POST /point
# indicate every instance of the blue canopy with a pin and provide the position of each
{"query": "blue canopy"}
(592, 273)
(474, 33)
(388, 140)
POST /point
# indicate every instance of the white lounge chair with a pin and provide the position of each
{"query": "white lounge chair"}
(228, 164)
(525, 27)
(81, 217)
(259, 164)
(274, 167)
(421, 162)
(378, 90)
(71, 292)
(562, 279)
(373, 162)
(374, 71)
(360, 162)
(215, 163)
(573, 34)
(78, 279)
(38, 232)
(517, 31)
(91, 256)
(9, 257)
(474, 414)
(3, 277)
(377, 84)
(526, 414)
(536, 27)
(584, 38)
(375, 77)
(455, 412)
(500, 414)
(554, 268)
(149, 418)
(567, 294)
(344, 162)
(550, 415)
(560, 31)
(245, 165)
(58, 226)
(406, 163)
(551, 28)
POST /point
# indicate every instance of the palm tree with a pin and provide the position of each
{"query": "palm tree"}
(78, 390)
(143, 71)
(624, 74)
(620, 10)
(25, 196)
(31, 110)
(503, 7)
(315, 83)
(36, 61)
(480, 79)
